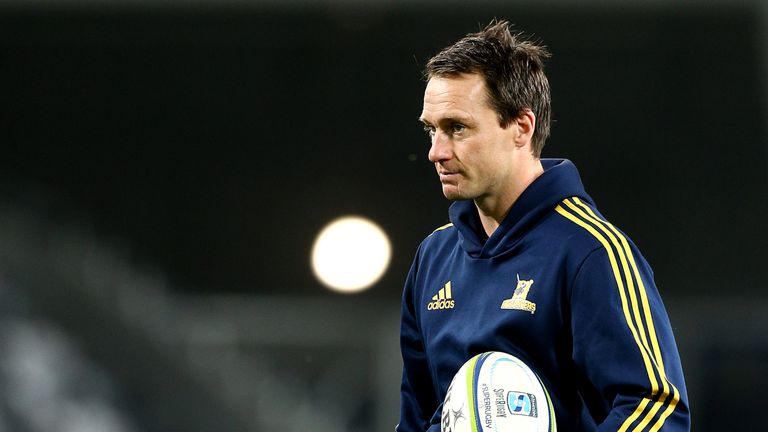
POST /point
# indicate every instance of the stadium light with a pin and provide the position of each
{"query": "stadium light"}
(350, 254)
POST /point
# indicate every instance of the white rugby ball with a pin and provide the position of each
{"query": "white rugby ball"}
(498, 392)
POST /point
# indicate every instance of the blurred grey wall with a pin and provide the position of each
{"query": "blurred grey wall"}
(210, 142)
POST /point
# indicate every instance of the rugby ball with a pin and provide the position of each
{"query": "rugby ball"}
(498, 392)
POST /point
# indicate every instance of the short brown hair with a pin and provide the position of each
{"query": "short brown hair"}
(513, 70)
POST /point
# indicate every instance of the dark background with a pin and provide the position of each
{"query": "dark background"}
(216, 142)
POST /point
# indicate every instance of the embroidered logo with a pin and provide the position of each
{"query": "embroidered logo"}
(443, 299)
(518, 300)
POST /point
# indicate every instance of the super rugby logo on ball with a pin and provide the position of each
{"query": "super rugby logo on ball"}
(522, 404)
(497, 392)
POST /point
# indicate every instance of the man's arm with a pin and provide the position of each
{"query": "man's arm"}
(623, 342)
(417, 395)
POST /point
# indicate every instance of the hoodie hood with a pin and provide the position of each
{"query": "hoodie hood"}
(560, 180)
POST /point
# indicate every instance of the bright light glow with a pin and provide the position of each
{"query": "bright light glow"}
(350, 254)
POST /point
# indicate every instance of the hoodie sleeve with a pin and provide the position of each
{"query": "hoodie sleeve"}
(623, 343)
(418, 402)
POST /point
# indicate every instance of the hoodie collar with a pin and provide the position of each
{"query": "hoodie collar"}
(559, 180)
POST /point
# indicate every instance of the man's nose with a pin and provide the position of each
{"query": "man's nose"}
(440, 149)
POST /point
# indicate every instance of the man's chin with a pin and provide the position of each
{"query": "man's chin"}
(453, 194)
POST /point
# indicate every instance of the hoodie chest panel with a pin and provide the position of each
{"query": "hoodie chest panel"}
(510, 303)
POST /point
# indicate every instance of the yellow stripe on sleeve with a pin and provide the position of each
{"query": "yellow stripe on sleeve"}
(622, 246)
(577, 216)
(675, 396)
(620, 283)
(675, 399)
(446, 226)
(640, 285)
(627, 274)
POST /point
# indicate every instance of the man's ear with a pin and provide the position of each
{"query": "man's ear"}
(525, 123)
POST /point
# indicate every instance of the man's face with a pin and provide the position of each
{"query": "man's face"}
(471, 151)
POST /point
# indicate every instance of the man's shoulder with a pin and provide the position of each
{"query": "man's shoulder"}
(447, 226)
(442, 238)
(585, 227)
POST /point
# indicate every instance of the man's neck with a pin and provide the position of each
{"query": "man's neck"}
(493, 209)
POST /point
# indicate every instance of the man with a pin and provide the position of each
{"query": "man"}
(528, 265)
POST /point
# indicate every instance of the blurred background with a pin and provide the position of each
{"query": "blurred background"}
(166, 167)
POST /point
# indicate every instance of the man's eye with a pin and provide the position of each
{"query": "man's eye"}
(457, 127)
(430, 130)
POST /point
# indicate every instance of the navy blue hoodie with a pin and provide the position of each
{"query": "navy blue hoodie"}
(557, 286)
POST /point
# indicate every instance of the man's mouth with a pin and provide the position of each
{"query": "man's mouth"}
(447, 175)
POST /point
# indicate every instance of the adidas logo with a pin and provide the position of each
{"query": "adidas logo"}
(443, 299)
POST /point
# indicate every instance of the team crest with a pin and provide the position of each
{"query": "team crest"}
(519, 297)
